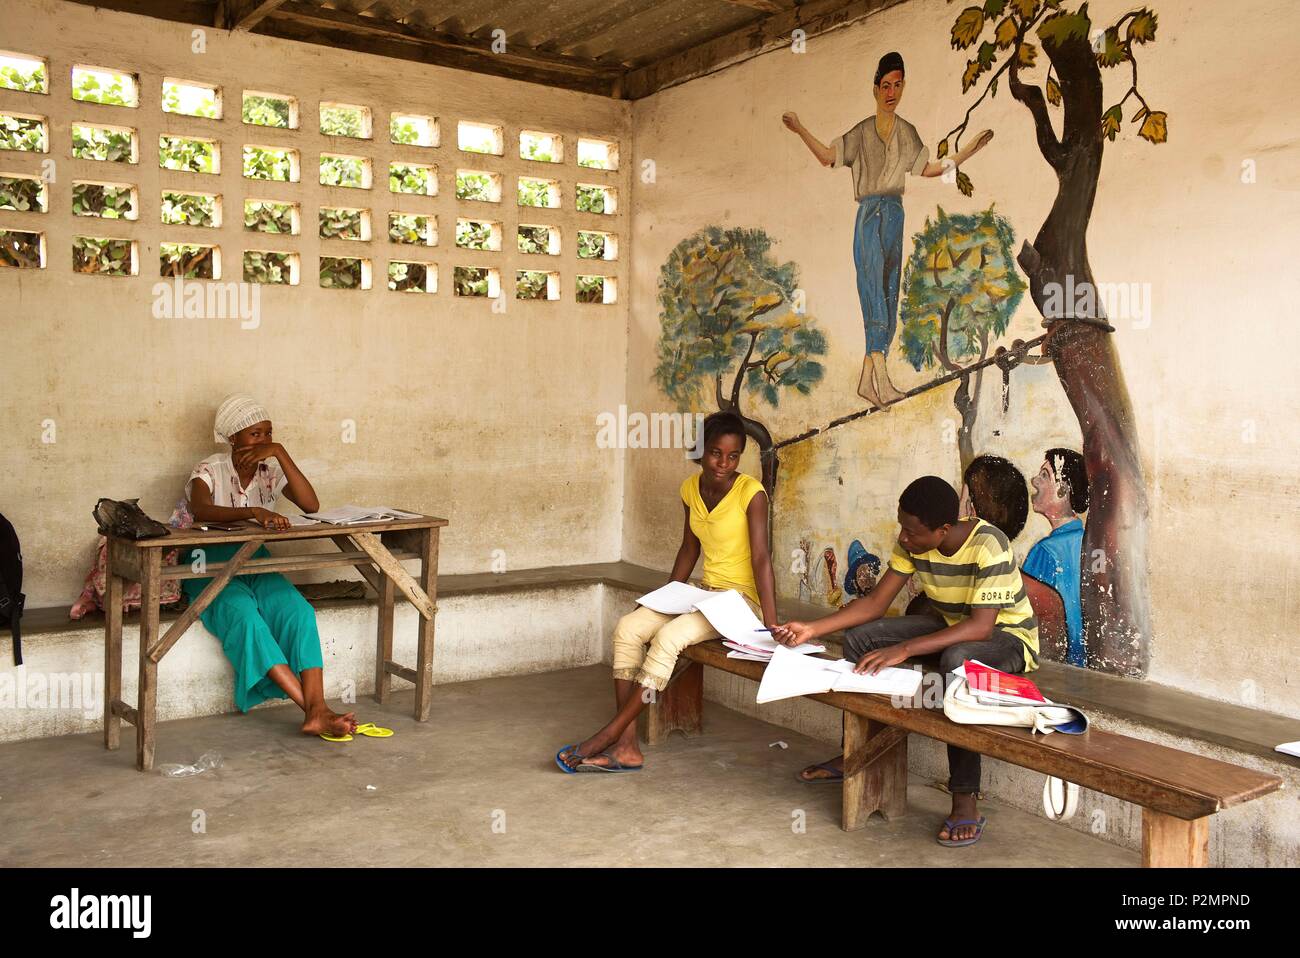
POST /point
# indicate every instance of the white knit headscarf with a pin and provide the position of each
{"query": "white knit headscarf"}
(235, 413)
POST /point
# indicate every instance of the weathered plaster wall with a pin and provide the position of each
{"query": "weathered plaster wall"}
(1211, 376)
(486, 418)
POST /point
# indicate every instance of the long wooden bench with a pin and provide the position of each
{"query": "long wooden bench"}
(1177, 790)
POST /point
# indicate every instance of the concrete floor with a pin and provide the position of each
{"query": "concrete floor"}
(477, 785)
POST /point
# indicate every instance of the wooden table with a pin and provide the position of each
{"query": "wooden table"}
(374, 549)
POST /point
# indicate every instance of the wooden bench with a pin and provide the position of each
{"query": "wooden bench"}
(1177, 790)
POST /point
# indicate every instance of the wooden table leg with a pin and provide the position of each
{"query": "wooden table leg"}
(1169, 842)
(875, 771)
(384, 649)
(147, 688)
(424, 636)
(112, 658)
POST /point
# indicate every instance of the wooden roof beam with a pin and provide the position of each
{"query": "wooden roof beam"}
(814, 17)
(243, 14)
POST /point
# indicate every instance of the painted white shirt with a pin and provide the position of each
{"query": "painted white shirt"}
(219, 473)
(879, 167)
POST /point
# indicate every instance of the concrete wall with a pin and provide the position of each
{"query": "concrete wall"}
(486, 418)
(1209, 374)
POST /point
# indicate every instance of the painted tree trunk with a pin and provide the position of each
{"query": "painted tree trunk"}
(1116, 607)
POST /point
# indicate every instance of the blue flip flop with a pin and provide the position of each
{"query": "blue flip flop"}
(952, 824)
(614, 765)
(560, 762)
(836, 778)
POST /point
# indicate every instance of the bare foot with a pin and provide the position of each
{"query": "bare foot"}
(963, 809)
(589, 751)
(816, 773)
(866, 388)
(623, 756)
(329, 723)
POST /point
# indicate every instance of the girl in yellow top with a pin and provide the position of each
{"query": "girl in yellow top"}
(725, 515)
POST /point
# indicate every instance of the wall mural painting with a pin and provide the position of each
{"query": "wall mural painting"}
(734, 330)
(729, 326)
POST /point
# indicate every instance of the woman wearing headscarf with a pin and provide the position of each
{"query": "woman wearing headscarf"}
(267, 629)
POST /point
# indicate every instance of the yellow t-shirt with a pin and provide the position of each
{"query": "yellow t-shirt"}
(981, 574)
(724, 534)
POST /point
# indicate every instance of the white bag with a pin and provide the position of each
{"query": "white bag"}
(961, 706)
(1060, 798)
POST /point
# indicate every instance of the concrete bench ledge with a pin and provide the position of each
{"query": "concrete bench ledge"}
(1171, 710)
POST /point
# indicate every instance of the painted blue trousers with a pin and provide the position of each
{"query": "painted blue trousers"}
(262, 621)
(878, 259)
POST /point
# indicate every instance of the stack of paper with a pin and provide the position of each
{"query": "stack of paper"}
(355, 515)
(727, 612)
(790, 674)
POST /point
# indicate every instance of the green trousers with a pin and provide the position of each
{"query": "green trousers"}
(262, 621)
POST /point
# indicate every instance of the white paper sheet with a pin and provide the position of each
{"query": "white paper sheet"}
(675, 598)
(302, 521)
(888, 681)
(790, 674)
(1289, 748)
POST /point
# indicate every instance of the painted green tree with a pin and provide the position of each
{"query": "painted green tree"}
(1072, 123)
(733, 327)
(960, 290)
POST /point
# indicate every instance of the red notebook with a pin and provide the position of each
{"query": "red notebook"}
(1015, 688)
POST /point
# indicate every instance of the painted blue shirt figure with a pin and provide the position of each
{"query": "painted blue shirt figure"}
(1060, 494)
(880, 151)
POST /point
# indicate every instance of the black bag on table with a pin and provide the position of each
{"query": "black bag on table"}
(126, 520)
(11, 586)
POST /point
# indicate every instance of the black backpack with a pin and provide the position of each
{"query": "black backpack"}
(11, 585)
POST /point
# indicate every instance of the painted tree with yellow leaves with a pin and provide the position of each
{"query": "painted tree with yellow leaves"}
(734, 327)
(960, 290)
(1001, 36)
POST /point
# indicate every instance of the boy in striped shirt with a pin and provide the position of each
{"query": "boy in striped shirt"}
(970, 575)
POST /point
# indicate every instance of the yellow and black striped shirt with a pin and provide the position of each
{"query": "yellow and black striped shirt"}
(982, 574)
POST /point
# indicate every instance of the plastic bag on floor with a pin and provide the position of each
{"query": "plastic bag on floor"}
(206, 761)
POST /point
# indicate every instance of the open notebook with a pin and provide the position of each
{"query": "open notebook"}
(352, 515)
(727, 612)
(790, 674)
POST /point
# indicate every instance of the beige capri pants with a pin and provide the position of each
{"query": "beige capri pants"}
(647, 643)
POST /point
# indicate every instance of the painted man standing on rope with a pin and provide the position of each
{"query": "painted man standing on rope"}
(879, 152)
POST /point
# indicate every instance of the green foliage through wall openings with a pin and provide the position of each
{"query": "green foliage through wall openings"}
(30, 80)
(22, 133)
(22, 194)
(187, 155)
(103, 143)
(408, 178)
(268, 267)
(108, 202)
(340, 272)
(110, 257)
(349, 171)
(262, 110)
(266, 217)
(20, 250)
(186, 260)
(189, 209)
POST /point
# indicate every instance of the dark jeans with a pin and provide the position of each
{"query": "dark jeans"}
(1001, 650)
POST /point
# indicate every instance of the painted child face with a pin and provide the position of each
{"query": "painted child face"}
(1047, 489)
(889, 91)
(254, 435)
(916, 537)
(721, 457)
